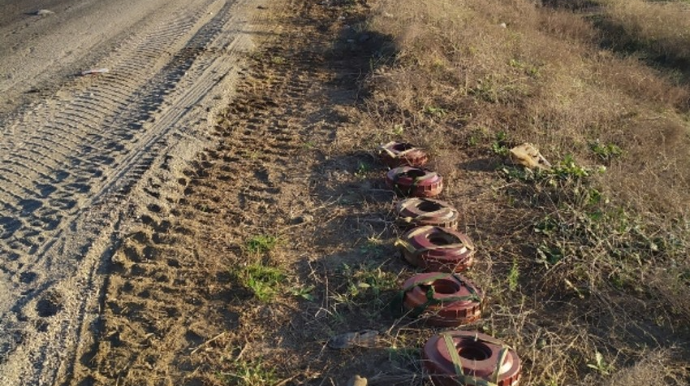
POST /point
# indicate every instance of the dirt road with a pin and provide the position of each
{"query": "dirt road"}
(80, 156)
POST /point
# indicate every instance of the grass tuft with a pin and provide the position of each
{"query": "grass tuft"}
(261, 244)
(367, 288)
(249, 374)
(264, 281)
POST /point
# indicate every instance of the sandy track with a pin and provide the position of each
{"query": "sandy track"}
(77, 162)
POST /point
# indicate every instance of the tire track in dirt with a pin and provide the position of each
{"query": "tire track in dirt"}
(70, 164)
(86, 133)
(170, 290)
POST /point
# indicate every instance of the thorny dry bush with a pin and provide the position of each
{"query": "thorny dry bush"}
(586, 264)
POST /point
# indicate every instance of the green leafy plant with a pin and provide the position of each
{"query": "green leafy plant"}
(568, 168)
(606, 152)
(500, 145)
(565, 170)
(528, 69)
(303, 292)
(549, 254)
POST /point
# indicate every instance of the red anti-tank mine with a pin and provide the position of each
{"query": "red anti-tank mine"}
(470, 358)
(415, 182)
(414, 212)
(437, 249)
(442, 299)
(396, 154)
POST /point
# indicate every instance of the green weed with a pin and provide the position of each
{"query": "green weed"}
(363, 169)
(513, 276)
(500, 145)
(365, 286)
(264, 281)
(436, 111)
(486, 90)
(567, 168)
(606, 152)
(249, 374)
(303, 292)
(528, 69)
(372, 247)
(564, 174)
(261, 244)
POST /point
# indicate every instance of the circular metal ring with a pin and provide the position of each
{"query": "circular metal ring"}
(437, 249)
(478, 359)
(443, 299)
(415, 182)
(415, 211)
(396, 154)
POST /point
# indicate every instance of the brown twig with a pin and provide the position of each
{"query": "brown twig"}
(222, 334)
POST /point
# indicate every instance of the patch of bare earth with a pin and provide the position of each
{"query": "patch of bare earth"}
(175, 309)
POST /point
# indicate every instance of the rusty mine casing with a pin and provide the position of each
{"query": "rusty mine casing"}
(481, 360)
(395, 154)
(437, 249)
(443, 299)
(415, 211)
(414, 182)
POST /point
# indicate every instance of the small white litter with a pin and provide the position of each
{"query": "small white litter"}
(94, 71)
(44, 12)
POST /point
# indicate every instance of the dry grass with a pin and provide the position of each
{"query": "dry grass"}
(602, 257)
(651, 370)
(536, 81)
(661, 27)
